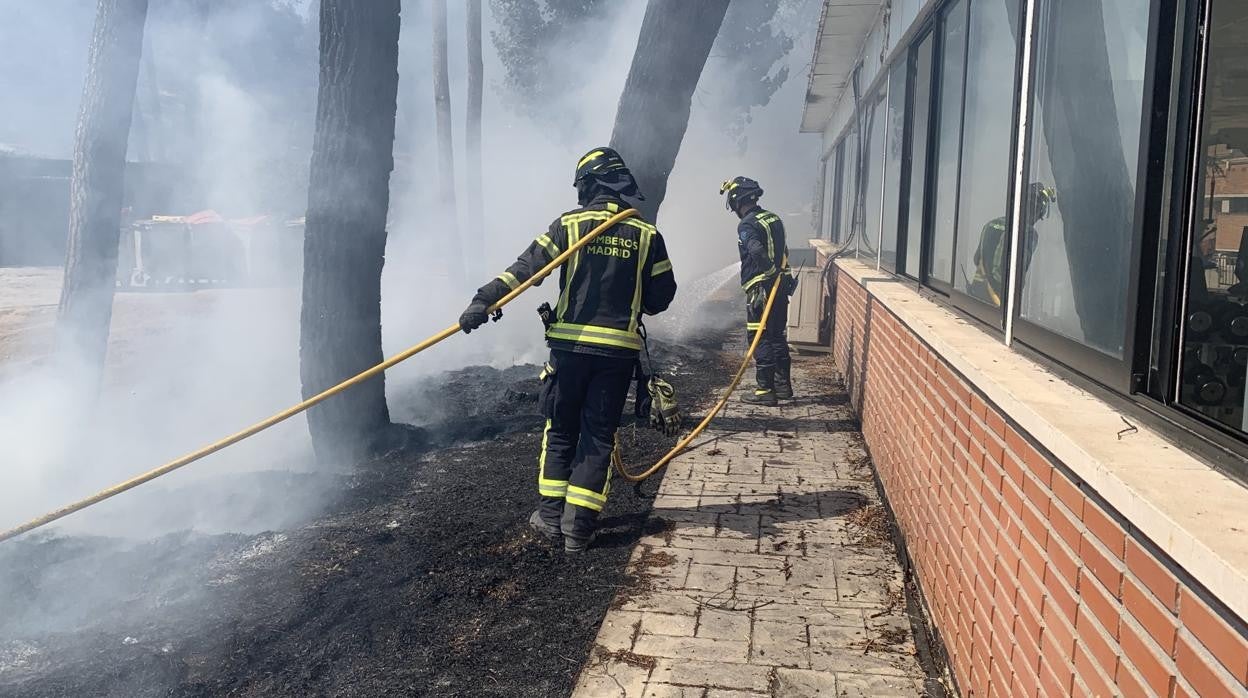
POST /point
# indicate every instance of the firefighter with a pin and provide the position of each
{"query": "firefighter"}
(988, 283)
(593, 337)
(761, 244)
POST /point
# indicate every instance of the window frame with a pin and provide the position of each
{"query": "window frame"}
(1179, 109)
(928, 31)
(984, 312)
(1112, 372)
(941, 17)
(903, 166)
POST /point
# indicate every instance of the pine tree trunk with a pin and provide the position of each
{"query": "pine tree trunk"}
(345, 233)
(449, 219)
(676, 38)
(96, 187)
(476, 88)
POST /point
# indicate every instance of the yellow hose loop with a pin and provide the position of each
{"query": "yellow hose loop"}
(310, 402)
(618, 461)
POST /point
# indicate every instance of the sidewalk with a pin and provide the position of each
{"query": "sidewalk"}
(769, 571)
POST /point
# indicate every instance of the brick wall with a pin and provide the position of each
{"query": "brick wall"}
(1036, 586)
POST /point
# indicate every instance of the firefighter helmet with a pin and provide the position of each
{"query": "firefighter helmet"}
(740, 190)
(1040, 198)
(599, 163)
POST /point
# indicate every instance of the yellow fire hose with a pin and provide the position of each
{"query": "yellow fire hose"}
(379, 368)
(618, 461)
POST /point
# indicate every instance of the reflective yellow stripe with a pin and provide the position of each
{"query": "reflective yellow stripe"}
(509, 279)
(661, 267)
(643, 253)
(572, 230)
(545, 487)
(593, 334)
(753, 326)
(613, 208)
(760, 278)
(589, 158)
(766, 222)
(551, 248)
(586, 498)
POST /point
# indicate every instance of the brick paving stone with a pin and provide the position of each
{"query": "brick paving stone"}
(803, 683)
(757, 585)
(725, 625)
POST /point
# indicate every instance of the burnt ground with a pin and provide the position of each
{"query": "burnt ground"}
(417, 577)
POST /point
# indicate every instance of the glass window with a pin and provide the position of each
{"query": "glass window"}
(827, 201)
(894, 140)
(983, 241)
(1080, 198)
(835, 232)
(920, 126)
(949, 142)
(874, 176)
(849, 187)
(1215, 349)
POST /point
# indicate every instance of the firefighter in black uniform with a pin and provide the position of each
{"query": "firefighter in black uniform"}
(593, 337)
(764, 254)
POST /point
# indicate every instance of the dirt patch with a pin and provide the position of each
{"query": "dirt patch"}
(602, 656)
(871, 525)
(419, 578)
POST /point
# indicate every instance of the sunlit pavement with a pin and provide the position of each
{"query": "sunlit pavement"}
(771, 571)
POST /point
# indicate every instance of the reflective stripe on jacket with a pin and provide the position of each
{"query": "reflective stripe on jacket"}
(761, 244)
(605, 287)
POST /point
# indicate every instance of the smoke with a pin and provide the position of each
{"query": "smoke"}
(227, 97)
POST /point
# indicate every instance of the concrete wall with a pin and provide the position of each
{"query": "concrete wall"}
(1036, 584)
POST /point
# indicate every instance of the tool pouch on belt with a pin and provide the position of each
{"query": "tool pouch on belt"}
(546, 396)
(664, 412)
(788, 283)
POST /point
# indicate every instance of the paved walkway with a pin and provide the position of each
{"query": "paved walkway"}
(769, 572)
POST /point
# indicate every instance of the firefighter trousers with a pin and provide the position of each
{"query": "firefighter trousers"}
(773, 347)
(582, 398)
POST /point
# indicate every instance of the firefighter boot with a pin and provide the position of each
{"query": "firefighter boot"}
(579, 528)
(784, 385)
(765, 393)
(543, 528)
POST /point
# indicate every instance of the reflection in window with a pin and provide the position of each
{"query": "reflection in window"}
(949, 128)
(868, 248)
(894, 138)
(983, 242)
(849, 187)
(827, 210)
(838, 233)
(922, 81)
(1215, 351)
(1080, 212)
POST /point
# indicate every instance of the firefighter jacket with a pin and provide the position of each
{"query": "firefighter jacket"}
(605, 287)
(760, 241)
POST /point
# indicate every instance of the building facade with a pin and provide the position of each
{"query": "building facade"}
(1035, 212)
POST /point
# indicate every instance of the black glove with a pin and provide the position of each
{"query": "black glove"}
(477, 314)
(641, 403)
(756, 298)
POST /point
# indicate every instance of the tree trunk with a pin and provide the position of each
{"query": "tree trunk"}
(96, 187)
(345, 232)
(676, 38)
(476, 90)
(449, 228)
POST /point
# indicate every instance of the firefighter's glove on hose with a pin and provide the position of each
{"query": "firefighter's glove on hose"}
(477, 314)
(547, 314)
(664, 412)
(756, 298)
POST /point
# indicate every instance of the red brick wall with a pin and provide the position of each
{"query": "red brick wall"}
(1035, 585)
